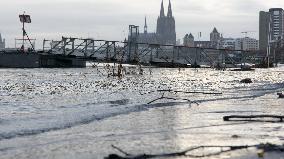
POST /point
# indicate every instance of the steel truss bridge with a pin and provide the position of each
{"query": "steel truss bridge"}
(131, 51)
(144, 53)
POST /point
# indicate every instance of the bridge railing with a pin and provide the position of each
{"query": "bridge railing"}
(124, 51)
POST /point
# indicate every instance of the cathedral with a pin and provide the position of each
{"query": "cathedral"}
(166, 30)
(2, 42)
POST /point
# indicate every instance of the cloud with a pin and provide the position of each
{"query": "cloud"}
(109, 19)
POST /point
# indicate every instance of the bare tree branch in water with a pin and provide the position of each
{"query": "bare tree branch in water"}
(223, 149)
(170, 98)
(185, 92)
(191, 92)
(250, 117)
(120, 150)
(175, 92)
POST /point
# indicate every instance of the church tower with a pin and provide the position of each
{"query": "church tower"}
(2, 42)
(171, 26)
(145, 26)
(166, 31)
(215, 38)
(188, 40)
(170, 12)
(161, 23)
(162, 11)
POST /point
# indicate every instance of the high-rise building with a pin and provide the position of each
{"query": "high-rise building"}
(264, 21)
(2, 42)
(276, 33)
(271, 27)
(277, 23)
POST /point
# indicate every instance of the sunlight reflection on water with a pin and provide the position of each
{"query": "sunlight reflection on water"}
(83, 107)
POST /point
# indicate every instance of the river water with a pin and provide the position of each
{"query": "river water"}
(80, 113)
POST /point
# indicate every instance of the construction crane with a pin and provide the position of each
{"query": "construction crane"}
(246, 32)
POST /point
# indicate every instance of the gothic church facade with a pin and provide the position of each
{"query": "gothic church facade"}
(166, 30)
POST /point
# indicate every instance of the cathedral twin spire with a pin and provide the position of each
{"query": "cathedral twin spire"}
(162, 12)
(145, 26)
(166, 31)
(170, 13)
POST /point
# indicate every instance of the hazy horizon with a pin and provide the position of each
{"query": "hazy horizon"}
(109, 19)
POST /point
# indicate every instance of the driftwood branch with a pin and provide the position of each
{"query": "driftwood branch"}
(281, 95)
(249, 117)
(185, 92)
(191, 92)
(120, 150)
(170, 98)
(265, 147)
(173, 91)
(157, 99)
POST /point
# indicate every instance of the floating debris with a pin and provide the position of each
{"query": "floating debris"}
(281, 95)
(250, 117)
(223, 149)
(246, 80)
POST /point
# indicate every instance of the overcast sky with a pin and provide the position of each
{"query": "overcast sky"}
(109, 19)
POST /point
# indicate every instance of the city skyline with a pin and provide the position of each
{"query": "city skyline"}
(109, 19)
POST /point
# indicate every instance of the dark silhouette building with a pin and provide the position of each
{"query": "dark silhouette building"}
(188, 40)
(166, 29)
(150, 38)
(215, 38)
(264, 29)
(2, 42)
(271, 33)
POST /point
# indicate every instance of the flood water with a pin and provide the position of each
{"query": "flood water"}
(81, 113)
